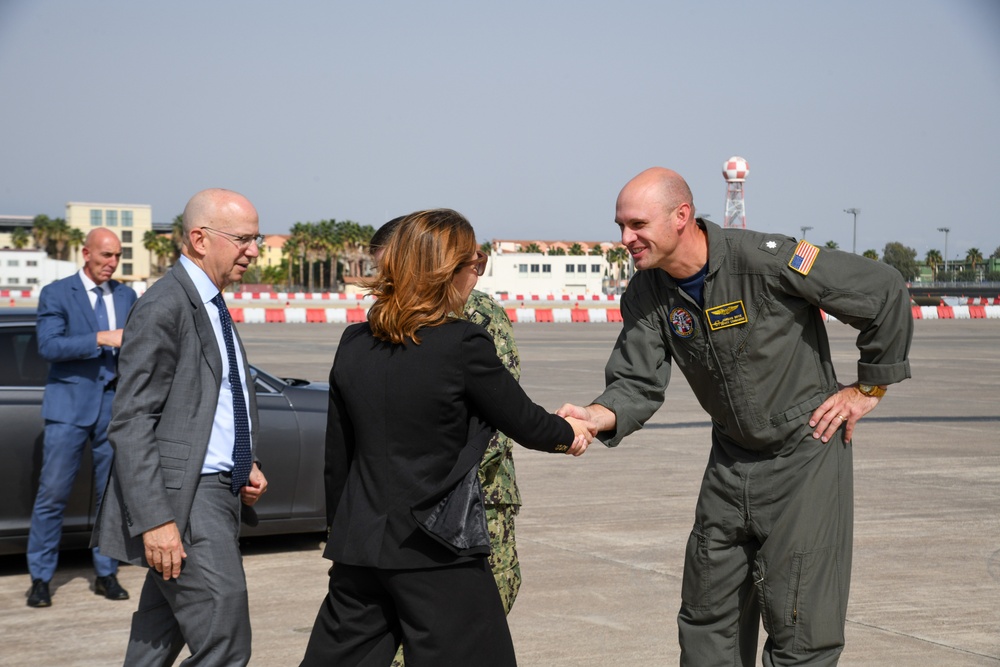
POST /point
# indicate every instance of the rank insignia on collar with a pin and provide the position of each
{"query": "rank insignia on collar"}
(804, 257)
(770, 246)
(682, 322)
(726, 315)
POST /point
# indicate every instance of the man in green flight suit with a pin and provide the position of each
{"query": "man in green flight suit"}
(496, 472)
(739, 313)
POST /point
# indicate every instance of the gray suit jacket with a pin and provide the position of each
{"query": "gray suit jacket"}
(170, 372)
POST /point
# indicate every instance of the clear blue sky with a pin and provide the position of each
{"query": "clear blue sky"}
(527, 116)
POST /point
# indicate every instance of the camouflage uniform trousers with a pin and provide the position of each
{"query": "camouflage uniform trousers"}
(503, 558)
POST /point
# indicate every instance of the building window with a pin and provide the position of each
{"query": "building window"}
(31, 262)
(595, 268)
(546, 268)
(534, 268)
(14, 281)
(570, 268)
(13, 262)
(32, 281)
(126, 236)
(581, 268)
(96, 217)
(126, 253)
(111, 218)
(126, 218)
(522, 268)
(126, 269)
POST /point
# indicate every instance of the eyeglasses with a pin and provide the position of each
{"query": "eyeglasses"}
(479, 263)
(242, 242)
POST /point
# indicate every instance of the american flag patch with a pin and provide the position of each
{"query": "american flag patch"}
(805, 255)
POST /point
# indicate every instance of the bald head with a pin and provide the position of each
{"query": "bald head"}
(661, 185)
(101, 253)
(99, 235)
(210, 206)
(655, 211)
(221, 234)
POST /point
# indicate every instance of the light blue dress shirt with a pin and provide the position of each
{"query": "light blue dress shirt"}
(219, 457)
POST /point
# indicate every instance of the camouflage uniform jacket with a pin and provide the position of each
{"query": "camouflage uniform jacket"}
(496, 472)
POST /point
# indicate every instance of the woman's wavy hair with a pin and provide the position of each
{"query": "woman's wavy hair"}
(414, 286)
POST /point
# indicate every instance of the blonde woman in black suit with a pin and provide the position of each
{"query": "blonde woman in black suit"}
(415, 393)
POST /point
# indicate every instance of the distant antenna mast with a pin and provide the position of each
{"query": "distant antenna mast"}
(735, 171)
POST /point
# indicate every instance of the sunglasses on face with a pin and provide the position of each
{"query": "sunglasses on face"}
(479, 263)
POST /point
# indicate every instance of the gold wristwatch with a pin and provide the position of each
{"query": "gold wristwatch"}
(871, 390)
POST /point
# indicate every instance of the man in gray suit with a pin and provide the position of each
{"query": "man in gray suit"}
(183, 428)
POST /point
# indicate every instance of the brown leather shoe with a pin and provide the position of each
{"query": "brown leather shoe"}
(110, 588)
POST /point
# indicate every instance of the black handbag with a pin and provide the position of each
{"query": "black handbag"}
(457, 519)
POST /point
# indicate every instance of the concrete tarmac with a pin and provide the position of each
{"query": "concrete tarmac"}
(601, 538)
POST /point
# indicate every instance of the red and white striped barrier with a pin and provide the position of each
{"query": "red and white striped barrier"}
(975, 312)
(295, 315)
(360, 296)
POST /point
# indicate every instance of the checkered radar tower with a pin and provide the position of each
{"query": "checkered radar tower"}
(735, 171)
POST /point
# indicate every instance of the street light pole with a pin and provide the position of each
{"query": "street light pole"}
(945, 230)
(804, 230)
(854, 212)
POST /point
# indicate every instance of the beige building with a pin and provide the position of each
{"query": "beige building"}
(129, 221)
(271, 253)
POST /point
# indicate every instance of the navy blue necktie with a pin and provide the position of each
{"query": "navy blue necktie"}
(107, 354)
(242, 458)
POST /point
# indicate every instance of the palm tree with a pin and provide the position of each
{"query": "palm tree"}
(76, 239)
(533, 248)
(934, 260)
(40, 230)
(831, 245)
(556, 250)
(618, 258)
(576, 249)
(871, 253)
(59, 236)
(486, 247)
(295, 247)
(596, 251)
(177, 237)
(973, 257)
(20, 238)
(352, 247)
(160, 247)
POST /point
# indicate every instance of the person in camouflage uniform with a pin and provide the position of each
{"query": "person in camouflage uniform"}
(496, 471)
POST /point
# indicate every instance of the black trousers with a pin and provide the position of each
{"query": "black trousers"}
(448, 615)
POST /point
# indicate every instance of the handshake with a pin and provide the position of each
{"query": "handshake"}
(586, 423)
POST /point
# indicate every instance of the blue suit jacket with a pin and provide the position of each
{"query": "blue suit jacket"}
(67, 339)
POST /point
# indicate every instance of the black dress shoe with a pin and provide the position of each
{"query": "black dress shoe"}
(38, 595)
(110, 588)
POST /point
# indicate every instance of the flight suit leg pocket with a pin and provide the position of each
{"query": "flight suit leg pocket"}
(696, 583)
(813, 606)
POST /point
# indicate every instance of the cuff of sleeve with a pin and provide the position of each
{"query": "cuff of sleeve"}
(883, 373)
(613, 437)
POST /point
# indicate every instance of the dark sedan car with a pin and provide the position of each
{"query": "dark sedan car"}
(292, 426)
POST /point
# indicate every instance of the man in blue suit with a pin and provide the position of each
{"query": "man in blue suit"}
(80, 320)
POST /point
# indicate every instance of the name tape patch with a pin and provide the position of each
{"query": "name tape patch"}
(726, 315)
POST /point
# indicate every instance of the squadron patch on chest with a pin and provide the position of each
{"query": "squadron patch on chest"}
(726, 315)
(682, 322)
(804, 257)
